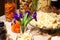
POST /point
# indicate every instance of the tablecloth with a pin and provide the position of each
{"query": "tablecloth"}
(36, 37)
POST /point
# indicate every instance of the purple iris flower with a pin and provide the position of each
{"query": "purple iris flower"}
(27, 11)
(34, 16)
(21, 15)
(16, 16)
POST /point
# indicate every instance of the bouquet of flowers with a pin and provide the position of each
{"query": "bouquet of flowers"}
(24, 19)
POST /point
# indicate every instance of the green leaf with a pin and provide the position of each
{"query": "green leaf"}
(28, 20)
(23, 22)
(22, 28)
(24, 19)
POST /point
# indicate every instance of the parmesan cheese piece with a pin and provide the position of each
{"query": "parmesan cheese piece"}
(47, 20)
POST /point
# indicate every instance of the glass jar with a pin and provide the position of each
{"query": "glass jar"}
(43, 5)
(54, 6)
(54, 3)
(10, 9)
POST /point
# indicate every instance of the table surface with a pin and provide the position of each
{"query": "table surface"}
(36, 37)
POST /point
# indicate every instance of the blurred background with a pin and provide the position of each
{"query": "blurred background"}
(2, 5)
(55, 3)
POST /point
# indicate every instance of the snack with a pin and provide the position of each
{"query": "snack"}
(26, 5)
(43, 5)
(47, 20)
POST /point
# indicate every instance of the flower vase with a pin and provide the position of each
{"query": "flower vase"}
(22, 30)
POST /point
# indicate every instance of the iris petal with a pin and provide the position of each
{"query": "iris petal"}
(27, 11)
(21, 15)
(16, 16)
(34, 16)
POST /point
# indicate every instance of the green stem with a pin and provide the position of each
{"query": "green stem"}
(22, 28)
